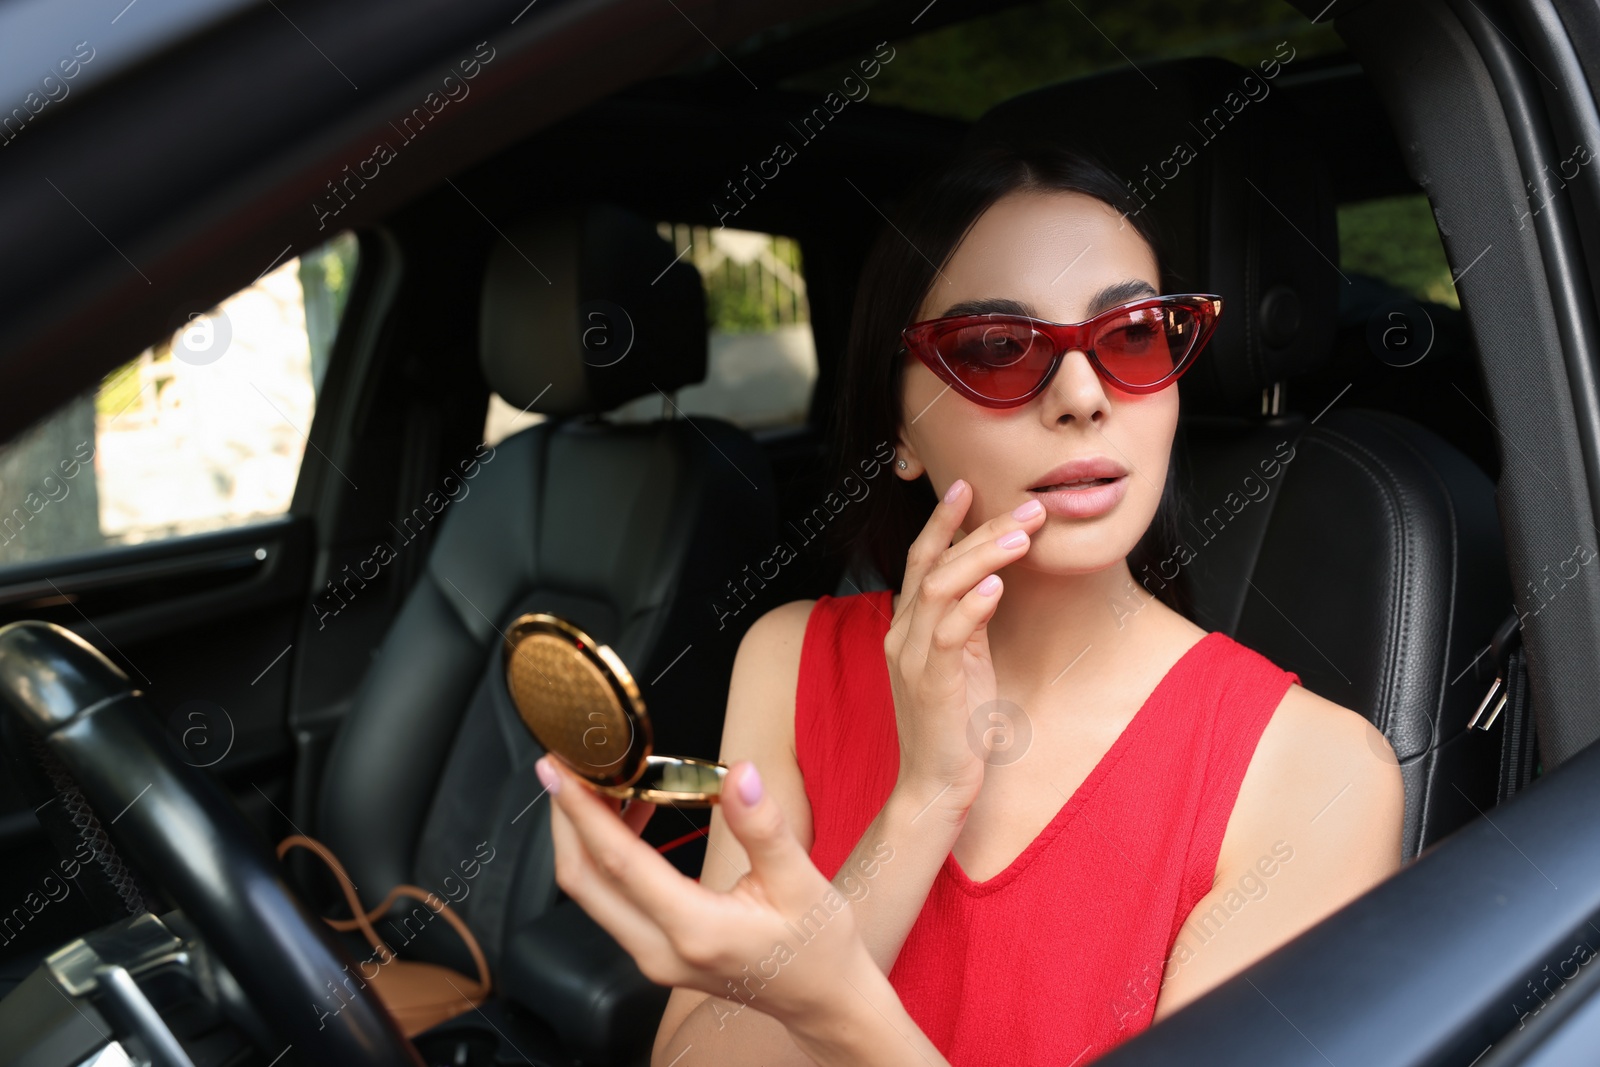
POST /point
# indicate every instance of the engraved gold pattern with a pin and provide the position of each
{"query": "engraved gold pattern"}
(582, 705)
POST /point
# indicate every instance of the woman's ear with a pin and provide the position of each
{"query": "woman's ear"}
(906, 465)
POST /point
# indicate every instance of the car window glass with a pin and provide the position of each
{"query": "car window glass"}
(1395, 239)
(761, 362)
(202, 431)
(963, 69)
(504, 420)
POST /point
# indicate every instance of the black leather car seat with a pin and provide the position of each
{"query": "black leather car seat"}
(1351, 546)
(629, 530)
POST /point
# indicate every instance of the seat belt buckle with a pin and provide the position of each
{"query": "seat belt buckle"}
(1498, 686)
(1505, 641)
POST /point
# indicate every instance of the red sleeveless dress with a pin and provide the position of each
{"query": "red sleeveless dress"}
(1060, 956)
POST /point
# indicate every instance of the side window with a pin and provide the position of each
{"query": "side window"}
(504, 420)
(202, 431)
(1395, 239)
(761, 364)
(762, 361)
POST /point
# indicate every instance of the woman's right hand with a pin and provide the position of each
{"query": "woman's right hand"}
(937, 647)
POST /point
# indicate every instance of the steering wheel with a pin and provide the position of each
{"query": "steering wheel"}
(187, 835)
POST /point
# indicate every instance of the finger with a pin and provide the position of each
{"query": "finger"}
(756, 819)
(636, 813)
(932, 636)
(1029, 516)
(938, 539)
(597, 895)
(968, 616)
(934, 538)
(645, 877)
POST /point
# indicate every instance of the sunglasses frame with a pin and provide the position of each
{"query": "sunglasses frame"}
(920, 339)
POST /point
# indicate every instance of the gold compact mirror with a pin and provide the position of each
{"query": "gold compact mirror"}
(581, 704)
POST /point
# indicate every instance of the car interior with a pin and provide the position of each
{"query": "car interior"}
(584, 358)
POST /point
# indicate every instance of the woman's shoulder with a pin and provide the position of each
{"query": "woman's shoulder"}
(796, 617)
(1319, 811)
(784, 621)
(1303, 725)
(1307, 727)
(770, 648)
(778, 638)
(1320, 766)
(1244, 662)
(1325, 783)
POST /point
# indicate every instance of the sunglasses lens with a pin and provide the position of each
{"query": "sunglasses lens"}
(999, 360)
(1144, 346)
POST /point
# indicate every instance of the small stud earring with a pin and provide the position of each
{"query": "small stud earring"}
(903, 465)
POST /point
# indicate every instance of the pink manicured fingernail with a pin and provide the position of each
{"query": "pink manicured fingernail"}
(750, 787)
(1012, 539)
(1027, 511)
(547, 774)
(988, 585)
(954, 491)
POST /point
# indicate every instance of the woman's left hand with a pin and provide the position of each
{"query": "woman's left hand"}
(779, 941)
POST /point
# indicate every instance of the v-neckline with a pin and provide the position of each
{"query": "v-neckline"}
(1113, 755)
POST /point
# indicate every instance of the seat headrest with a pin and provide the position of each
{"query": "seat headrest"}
(584, 308)
(1233, 179)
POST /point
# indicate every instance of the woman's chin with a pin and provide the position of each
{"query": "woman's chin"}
(1054, 557)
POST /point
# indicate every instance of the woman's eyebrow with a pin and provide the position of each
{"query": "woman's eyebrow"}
(1120, 293)
(1110, 296)
(989, 306)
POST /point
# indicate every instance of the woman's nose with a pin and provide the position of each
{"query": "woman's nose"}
(1076, 390)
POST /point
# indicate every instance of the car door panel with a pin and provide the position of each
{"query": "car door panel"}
(204, 624)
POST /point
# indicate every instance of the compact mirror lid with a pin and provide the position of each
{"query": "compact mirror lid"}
(578, 700)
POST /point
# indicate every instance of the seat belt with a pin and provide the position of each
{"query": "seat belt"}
(1509, 692)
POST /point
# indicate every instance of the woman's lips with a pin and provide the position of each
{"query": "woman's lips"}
(1083, 503)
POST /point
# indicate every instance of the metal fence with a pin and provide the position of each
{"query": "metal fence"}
(753, 281)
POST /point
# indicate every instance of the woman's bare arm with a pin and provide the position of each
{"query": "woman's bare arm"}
(759, 727)
(1317, 823)
(903, 848)
(839, 1008)
(936, 652)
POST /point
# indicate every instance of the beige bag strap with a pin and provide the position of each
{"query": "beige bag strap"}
(363, 919)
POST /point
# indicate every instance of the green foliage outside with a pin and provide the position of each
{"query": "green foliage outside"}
(325, 273)
(747, 298)
(1395, 239)
(326, 276)
(733, 307)
(117, 389)
(964, 69)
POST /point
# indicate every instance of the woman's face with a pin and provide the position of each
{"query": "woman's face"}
(1062, 257)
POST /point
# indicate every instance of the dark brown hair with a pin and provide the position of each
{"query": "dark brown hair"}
(878, 528)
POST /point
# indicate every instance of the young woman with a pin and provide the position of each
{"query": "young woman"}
(1023, 807)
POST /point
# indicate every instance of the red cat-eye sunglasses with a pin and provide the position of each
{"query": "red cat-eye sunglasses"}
(1001, 361)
